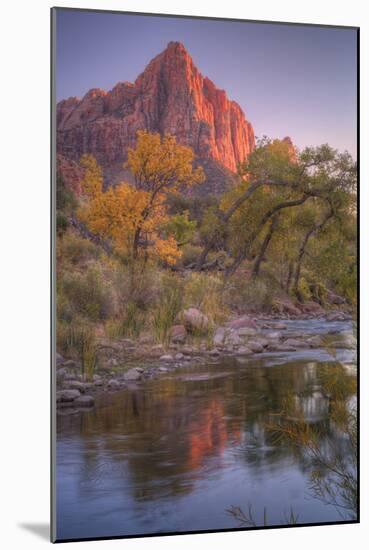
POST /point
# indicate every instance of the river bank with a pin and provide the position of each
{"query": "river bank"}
(126, 362)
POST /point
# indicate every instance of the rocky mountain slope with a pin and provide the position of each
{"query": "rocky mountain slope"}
(170, 96)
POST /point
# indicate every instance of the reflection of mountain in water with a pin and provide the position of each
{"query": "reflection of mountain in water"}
(164, 437)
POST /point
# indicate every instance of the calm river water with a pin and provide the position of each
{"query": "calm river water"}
(174, 453)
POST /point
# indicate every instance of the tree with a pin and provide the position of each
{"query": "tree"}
(277, 190)
(133, 217)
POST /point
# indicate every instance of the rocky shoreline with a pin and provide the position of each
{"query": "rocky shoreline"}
(126, 362)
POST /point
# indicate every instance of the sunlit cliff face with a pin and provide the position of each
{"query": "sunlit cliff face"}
(170, 96)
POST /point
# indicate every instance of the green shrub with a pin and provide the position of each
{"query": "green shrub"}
(190, 254)
(77, 250)
(61, 223)
(65, 199)
(244, 293)
(87, 293)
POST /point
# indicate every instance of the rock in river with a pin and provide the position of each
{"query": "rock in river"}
(292, 342)
(133, 374)
(84, 401)
(242, 322)
(67, 395)
(255, 347)
(113, 384)
(243, 350)
(166, 358)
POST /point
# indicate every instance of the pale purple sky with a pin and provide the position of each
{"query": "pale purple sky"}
(289, 80)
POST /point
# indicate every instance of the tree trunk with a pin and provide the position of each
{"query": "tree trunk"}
(289, 276)
(242, 255)
(264, 246)
(312, 232)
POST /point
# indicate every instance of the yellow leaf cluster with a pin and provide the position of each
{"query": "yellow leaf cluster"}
(159, 164)
(122, 212)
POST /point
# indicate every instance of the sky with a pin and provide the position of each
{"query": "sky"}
(297, 81)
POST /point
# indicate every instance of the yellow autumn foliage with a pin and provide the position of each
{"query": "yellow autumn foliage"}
(132, 216)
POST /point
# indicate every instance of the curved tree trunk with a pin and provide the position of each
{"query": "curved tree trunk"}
(291, 268)
(311, 233)
(243, 254)
(235, 206)
(264, 246)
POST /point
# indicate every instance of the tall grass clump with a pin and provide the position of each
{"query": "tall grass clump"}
(77, 340)
(169, 305)
(128, 324)
(206, 292)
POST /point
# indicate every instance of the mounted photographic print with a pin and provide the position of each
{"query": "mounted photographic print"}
(204, 285)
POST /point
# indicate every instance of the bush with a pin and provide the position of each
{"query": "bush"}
(61, 224)
(76, 250)
(142, 290)
(190, 254)
(65, 199)
(244, 293)
(86, 294)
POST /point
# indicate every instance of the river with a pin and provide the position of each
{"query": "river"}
(174, 453)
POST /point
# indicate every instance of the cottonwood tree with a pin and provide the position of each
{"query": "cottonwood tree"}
(132, 216)
(276, 191)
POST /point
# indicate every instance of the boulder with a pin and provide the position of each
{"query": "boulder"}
(286, 306)
(246, 331)
(255, 346)
(59, 359)
(281, 347)
(242, 322)
(97, 380)
(76, 385)
(69, 376)
(219, 336)
(158, 348)
(132, 374)
(167, 358)
(146, 339)
(336, 316)
(179, 357)
(333, 298)
(315, 341)
(292, 342)
(188, 350)
(312, 307)
(244, 350)
(178, 334)
(67, 396)
(275, 335)
(279, 326)
(113, 384)
(194, 320)
(84, 401)
(233, 339)
(60, 375)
